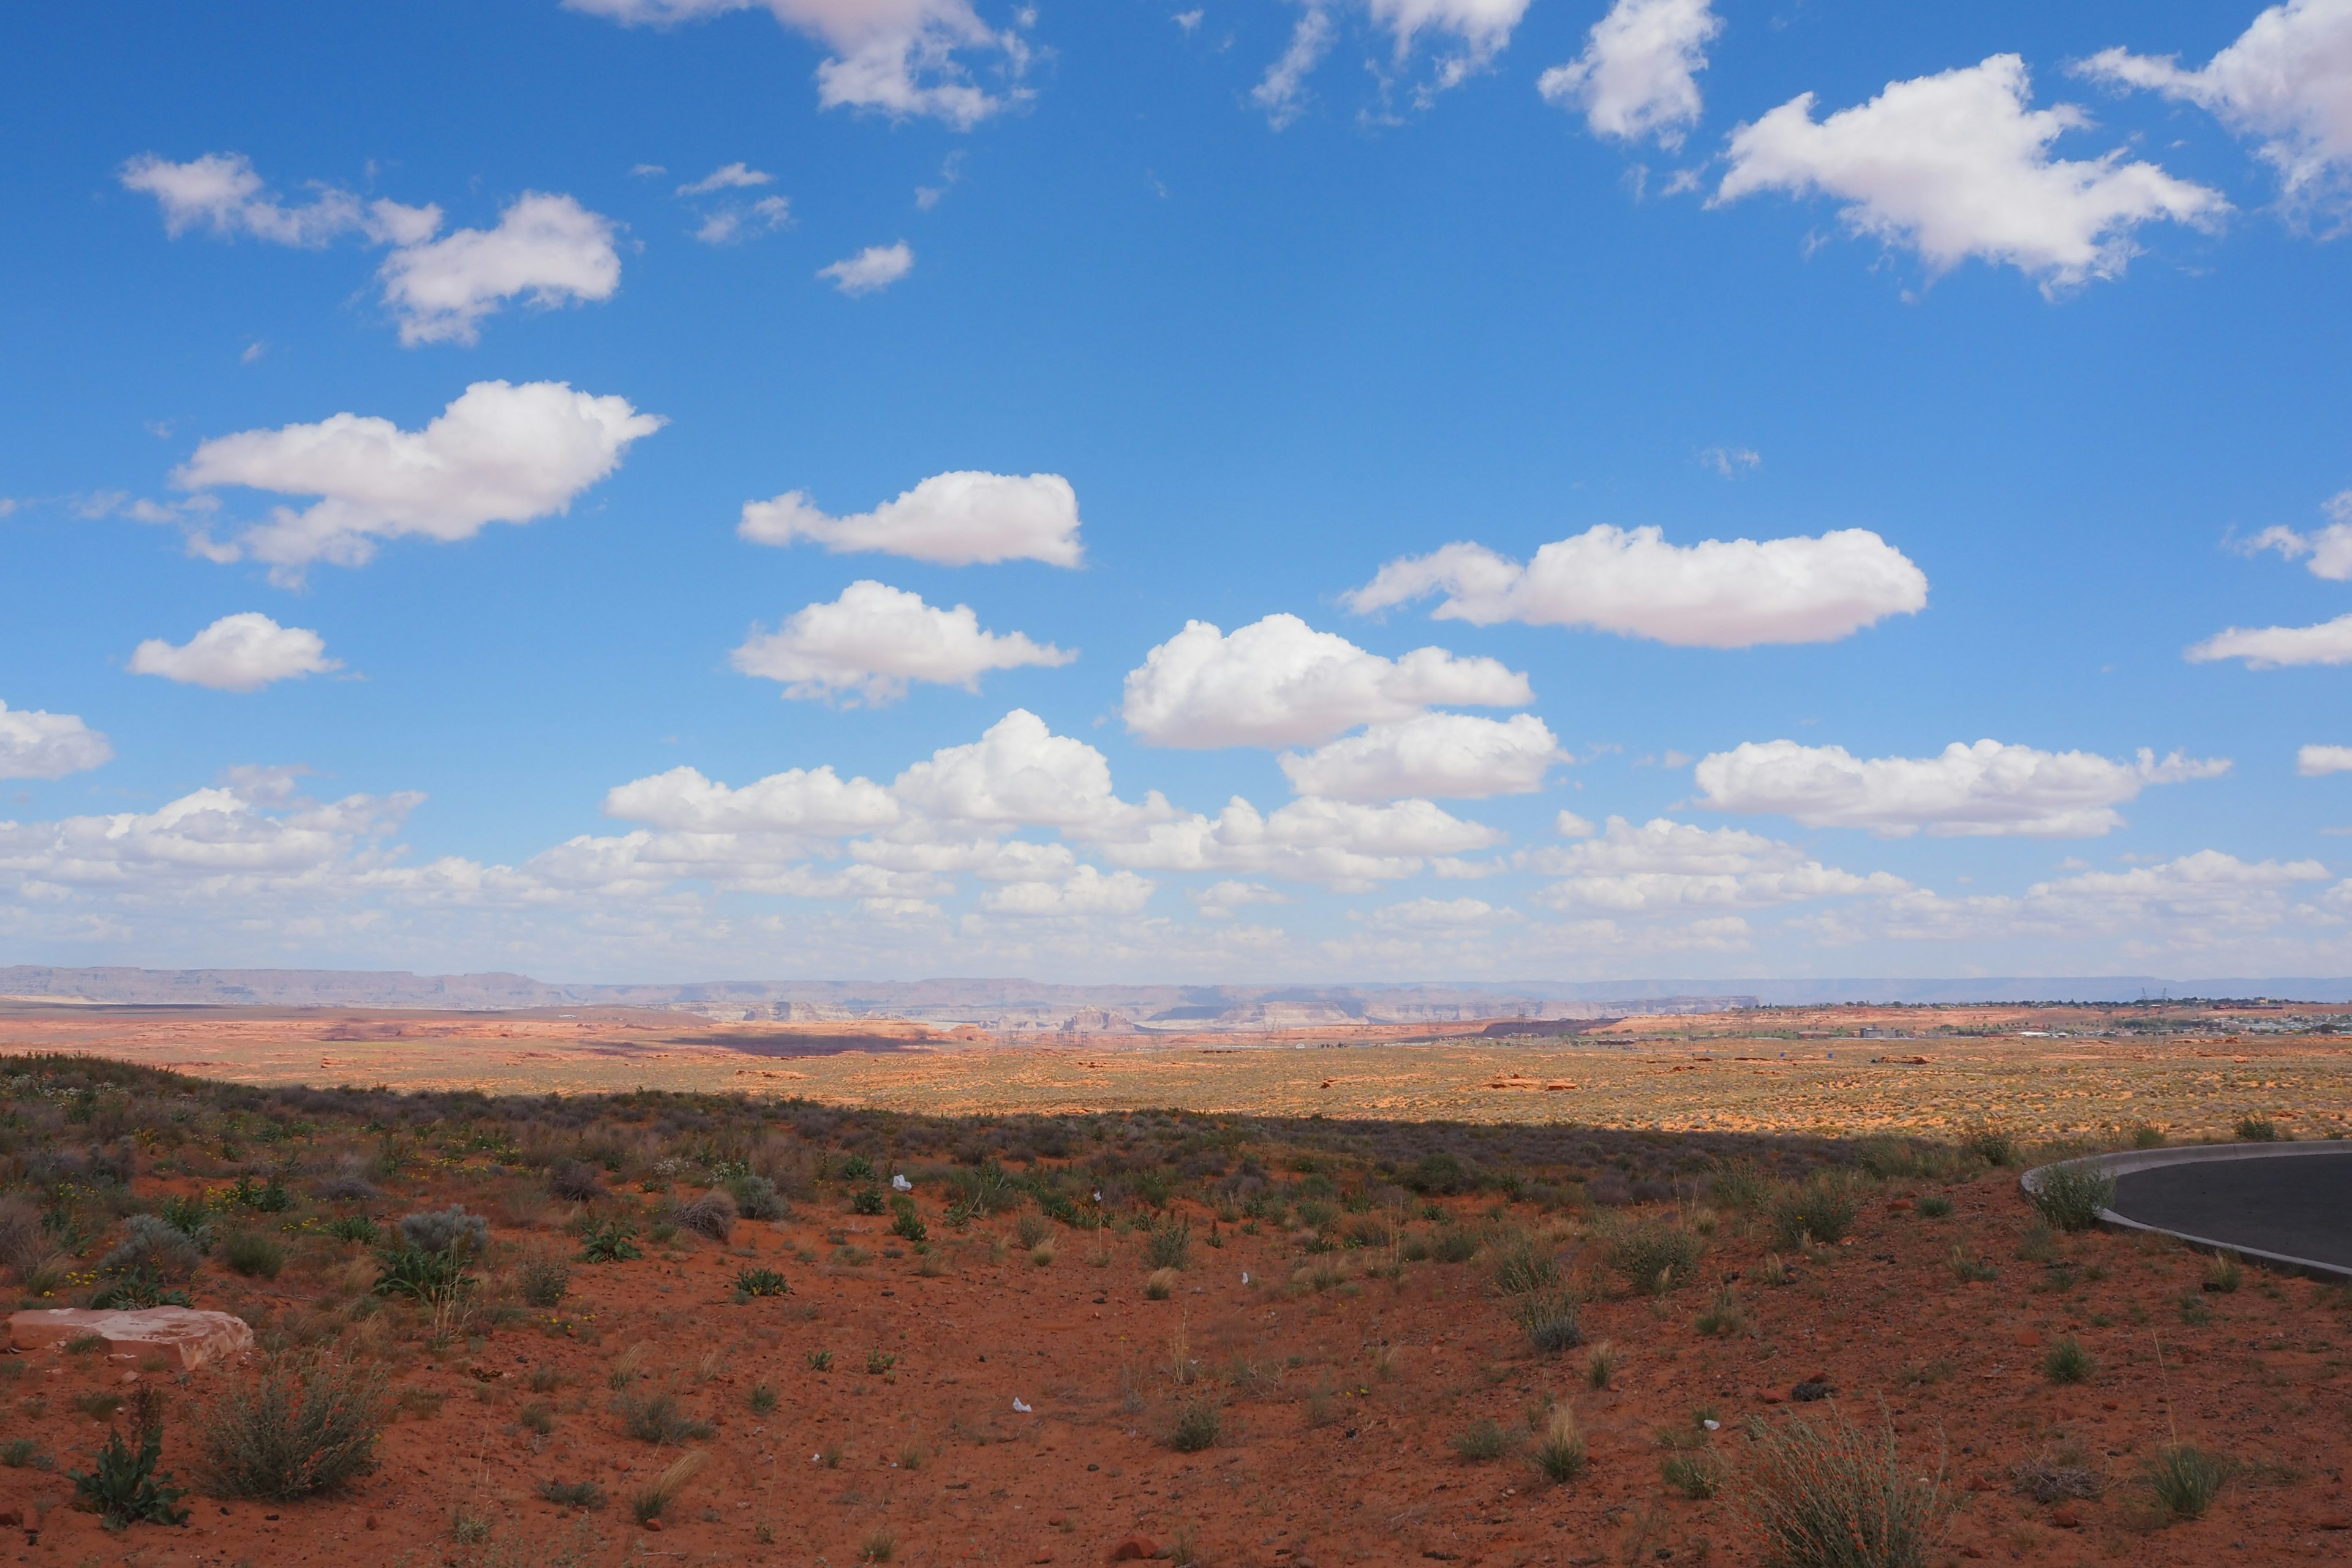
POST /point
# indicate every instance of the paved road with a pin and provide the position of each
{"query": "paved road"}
(2301, 1207)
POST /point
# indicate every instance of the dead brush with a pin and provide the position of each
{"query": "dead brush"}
(654, 1500)
(1826, 1494)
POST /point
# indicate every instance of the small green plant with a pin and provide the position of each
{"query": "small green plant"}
(865, 1200)
(190, 1216)
(1168, 1246)
(2255, 1128)
(652, 1502)
(2144, 1135)
(543, 1279)
(124, 1488)
(610, 1241)
(762, 1399)
(354, 1227)
(1697, 1473)
(907, 1223)
(1821, 1212)
(1600, 1369)
(2185, 1480)
(751, 1282)
(879, 1363)
(855, 1168)
(2068, 1361)
(1653, 1257)
(2194, 1312)
(1993, 1145)
(1199, 1423)
(820, 1360)
(1559, 1453)
(254, 1255)
(2071, 1196)
(22, 1453)
(1935, 1205)
(572, 1494)
(1480, 1442)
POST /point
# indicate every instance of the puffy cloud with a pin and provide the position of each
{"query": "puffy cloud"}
(895, 55)
(960, 519)
(1278, 682)
(2267, 647)
(1346, 846)
(499, 453)
(38, 745)
(874, 268)
(1638, 75)
(799, 800)
(1716, 594)
(1085, 892)
(2328, 549)
(1986, 789)
(1664, 865)
(212, 840)
(1222, 900)
(2315, 762)
(2286, 79)
(1447, 755)
(1018, 773)
(548, 248)
(874, 639)
(1956, 165)
(736, 176)
(237, 653)
(1478, 31)
(2201, 901)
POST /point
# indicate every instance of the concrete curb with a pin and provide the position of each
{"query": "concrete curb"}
(2127, 1160)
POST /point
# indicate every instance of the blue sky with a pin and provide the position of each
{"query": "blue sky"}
(1993, 395)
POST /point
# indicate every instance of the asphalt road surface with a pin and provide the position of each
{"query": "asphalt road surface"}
(2299, 1206)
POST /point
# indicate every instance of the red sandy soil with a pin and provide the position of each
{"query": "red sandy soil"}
(1336, 1441)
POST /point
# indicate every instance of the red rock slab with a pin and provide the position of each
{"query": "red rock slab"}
(184, 1337)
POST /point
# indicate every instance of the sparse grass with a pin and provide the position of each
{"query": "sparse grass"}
(302, 1426)
(1698, 1473)
(2223, 1273)
(1826, 1494)
(627, 1367)
(2253, 1129)
(1168, 1247)
(2185, 1480)
(1935, 1205)
(1520, 1269)
(1772, 1270)
(468, 1528)
(1653, 1257)
(572, 1494)
(879, 1547)
(1821, 1212)
(2146, 1135)
(254, 1255)
(1160, 1284)
(2071, 1196)
(97, 1405)
(1723, 1316)
(1550, 1320)
(658, 1419)
(656, 1499)
(1032, 1229)
(22, 1453)
(2068, 1361)
(1600, 1368)
(1994, 1145)
(1560, 1453)
(1965, 1265)
(1480, 1442)
(543, 1279)
(1452, 1244)
(1198, 1423)
(762, 1399)
(539, 1416)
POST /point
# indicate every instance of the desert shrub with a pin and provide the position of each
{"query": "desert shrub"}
(1160, 1284)
(1741, 1185)
(254, 1255)
(2068, 1361)
(1481, 1441)
(657, 1418)
(1654, 1256)
(2071, 1196)
(1822, 1210)
(2186, 1480)
(451, 1230)
(1438, 1173)
(1519, 1269)
(756, 1197)
(656, 1499)
(1698, 1474)
(613, 1241)
(2223, 1274)
(1602, 1369)
(1031, 1230)
(1560, 1453)
(855, 1168)
(355, 1227)
(302, 1427)
(984, 1189)
(433, 1278)
(1549, 1319)
(1317, 1214)
(1936, 1205)
(906, 1221)
(2257, 1129)
(1723, 1315)
(190, 1216)
(572, 1494)
(762, 1399)
(865, 1200)
(124, 1487)
(2054, 1477)
(1198, 1424)
(348, 1184)
(712, 1215)
(1454, 1245)
(543, 1279)
(1830, 1495)
(23, 1453)
(2146, 1135)
(575, 1181)
(760, 1282)
(21, 1241)
(152, 1244)
(1993, 1145)
(1168, 1246)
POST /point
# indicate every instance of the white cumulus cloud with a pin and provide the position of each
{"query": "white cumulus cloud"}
(1455, 756)
(899, 57)
(874, 268)
(548, 248)
(960, 519)
(874, 639)
(1981, 790)
(2315, 762)
(1716, 594)
(1638, 74)
(1956, 165)
(2287, 78)
(2328, 550)
(499, 453)
(1346, 846)
(237, 653)
(38, 745)
(1223, 900)
(1279, 682)
(1019, 773)
(1664, 865)
(1084, 891)
(220, 191)
(797, 801)
(2267, 647)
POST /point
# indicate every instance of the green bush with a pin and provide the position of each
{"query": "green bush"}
(1199, 1423)
(1168, 1246)
(124, 1487)
(2186, 1480)
(2257, 1129)
(610, 1241)
(760, 1282)
(254, 1255)
(865, 1200)
(1697, 1475)
(2068, 1361)
(355, 1227)
(302, 1427)
(1993, 1145)
(2071, 1196)
(1822, 1211)
(907, 1223)
(432, 1278)
(1551, 1319)
(1654, 1256)
(543, 1280)
(1481, 1441)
